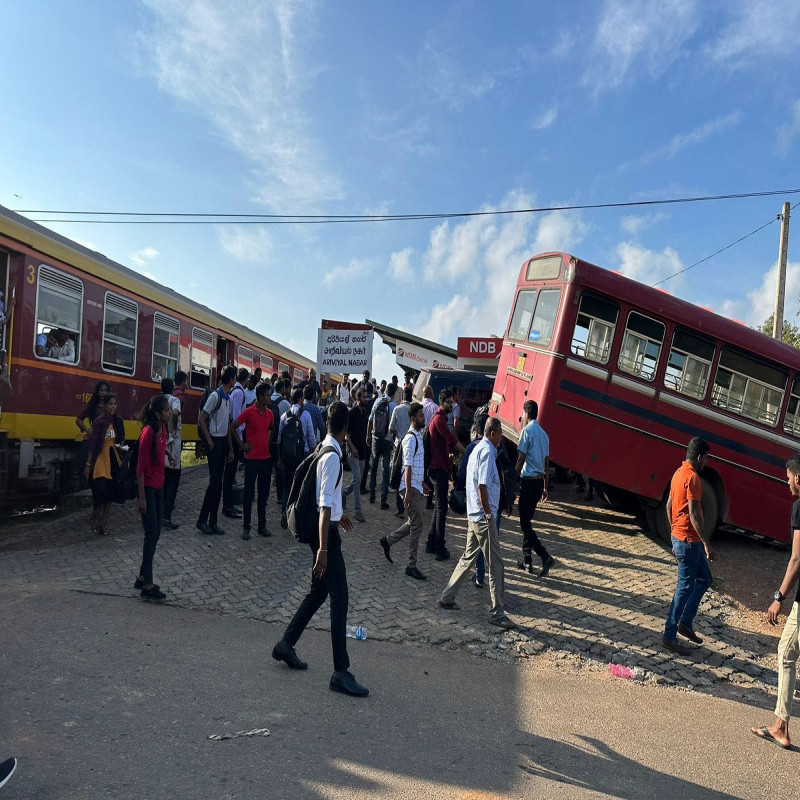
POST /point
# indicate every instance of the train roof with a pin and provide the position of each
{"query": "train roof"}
(50, 243)
(695, 317)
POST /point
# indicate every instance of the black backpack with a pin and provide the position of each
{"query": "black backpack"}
(293, 441)
(397, 462)
(301, 505)
(380, 422)
(124, 485)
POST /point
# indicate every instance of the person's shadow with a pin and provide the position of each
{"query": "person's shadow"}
(599, 768)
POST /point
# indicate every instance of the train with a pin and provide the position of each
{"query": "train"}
(74, 317)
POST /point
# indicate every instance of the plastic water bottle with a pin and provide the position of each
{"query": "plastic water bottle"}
(356, 631)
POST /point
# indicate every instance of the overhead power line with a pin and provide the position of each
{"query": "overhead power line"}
(184, 218)
(722, 249)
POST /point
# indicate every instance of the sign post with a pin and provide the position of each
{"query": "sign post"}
(343, 347)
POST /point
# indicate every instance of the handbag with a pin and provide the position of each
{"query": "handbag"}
(458, 501)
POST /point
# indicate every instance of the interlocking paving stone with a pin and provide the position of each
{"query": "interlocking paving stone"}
(605, 600)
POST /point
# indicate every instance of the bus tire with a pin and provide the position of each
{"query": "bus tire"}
(710, 513)
(564, 475)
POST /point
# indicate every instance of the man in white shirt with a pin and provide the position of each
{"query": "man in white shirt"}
(429, 405)
(238, 399)
(213, 424)
(399, 426)
(483, 501)
(64, 349)
(412, 490)
(344, 391)
(328, 576)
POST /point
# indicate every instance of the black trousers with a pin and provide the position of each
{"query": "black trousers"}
(172, 477)
(151, 522)
(257, 471)
(216, 471)
(441, 488)
(381, 456)
(229, 476)
(530, 493)
(278, 473)
(333, 583)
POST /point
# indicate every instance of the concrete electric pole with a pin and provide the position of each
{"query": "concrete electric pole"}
(777, 320)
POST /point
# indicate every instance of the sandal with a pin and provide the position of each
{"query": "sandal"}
(763, 733)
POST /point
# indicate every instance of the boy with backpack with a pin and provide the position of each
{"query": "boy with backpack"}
(328, 575)
(296, 440)
(413, 490)
(382, 439)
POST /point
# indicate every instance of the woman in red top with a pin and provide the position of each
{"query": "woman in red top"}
(150, 478)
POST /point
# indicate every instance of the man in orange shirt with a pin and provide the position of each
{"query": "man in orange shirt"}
(690, 546)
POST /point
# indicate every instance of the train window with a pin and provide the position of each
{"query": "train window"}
(245, 358)
(120, 323)
(265, 362)
(594, 328)
(641, 346)
(200, 372)
(544, 319)
(542, 269)
(748, 386)
(59, 314)
(282, 368)
(299, 376)
(521, 318)
(689, 364)
(166, 334)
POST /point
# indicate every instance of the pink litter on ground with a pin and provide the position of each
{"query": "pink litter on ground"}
(620, 671)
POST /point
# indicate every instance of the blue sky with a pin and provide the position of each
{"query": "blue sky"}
(356, 108)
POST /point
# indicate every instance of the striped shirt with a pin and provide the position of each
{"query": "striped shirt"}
(414, 457)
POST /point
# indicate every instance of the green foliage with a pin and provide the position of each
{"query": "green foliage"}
(790, 334)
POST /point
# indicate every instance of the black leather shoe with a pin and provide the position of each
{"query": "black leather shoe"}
(204, 528)
(677, 647)
(372, 498)
(264, 531)
(413, 572)
(153, 594)
(386, 548)
(169, 524)
(345, 683)
(689, 633)
(384, 506)
(283, 651)
(430, 548)
(442, 554)
(233, 513)
(216, 529)
(246, 534)
(548, 563)
(526, 565)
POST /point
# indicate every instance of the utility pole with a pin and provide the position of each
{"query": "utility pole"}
(777, 320)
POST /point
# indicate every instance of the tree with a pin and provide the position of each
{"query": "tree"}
(790, 334)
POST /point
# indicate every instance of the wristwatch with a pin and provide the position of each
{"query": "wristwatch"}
(778, 596)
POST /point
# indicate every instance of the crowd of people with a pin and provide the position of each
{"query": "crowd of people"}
(271, 429)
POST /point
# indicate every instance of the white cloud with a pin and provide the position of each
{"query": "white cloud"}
(400, 265)
(635, 223)
(761, 300)
(483, 257)
(545, 119)
(563, 45)
(636, 37)
(696, 136)
(789, 131)
(647, 266)
(249, 243)
(357, 268)
(141, 258)
(759, 31)
(244, 66)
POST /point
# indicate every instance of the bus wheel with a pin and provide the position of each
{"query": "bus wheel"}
(564, 475)
(663, 527)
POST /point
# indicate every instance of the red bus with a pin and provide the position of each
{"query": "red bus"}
(116, 325)
(625, 374)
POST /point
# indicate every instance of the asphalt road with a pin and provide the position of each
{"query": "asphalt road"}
(107, 697)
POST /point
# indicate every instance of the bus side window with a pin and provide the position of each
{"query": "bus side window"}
(748, 386)
(689, 364)
(641, 346)
(521, 318)
(792, 422)
(594, 328)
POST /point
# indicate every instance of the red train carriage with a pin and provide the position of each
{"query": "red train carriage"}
(626, 374)
(79, 318)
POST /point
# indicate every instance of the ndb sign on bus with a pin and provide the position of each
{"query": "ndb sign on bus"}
(344, 347)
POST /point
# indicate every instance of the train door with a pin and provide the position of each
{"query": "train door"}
(225, 354)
